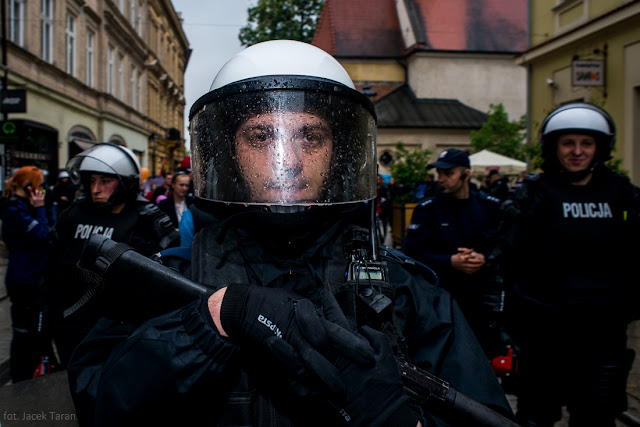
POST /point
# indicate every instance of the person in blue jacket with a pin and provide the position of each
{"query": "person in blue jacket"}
(193, 220)
(282, 149)
(25, 231)
(453, 232)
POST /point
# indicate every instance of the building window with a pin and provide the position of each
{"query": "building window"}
(46, 30)
(120, 77)
(134, 86)
(132, 13)
(110, 70)
(570, 13)
(121, 6)
(90, 59)
(70, 39)
(139, 89)
(139, 23)
(16, 22)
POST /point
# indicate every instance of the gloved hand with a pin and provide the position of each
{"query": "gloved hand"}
(292, 328)
(374, 392)
(375, 395)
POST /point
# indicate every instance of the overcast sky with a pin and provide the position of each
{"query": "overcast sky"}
(212, 28)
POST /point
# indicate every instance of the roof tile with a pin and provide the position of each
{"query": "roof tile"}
(360, 28)
(370, 28)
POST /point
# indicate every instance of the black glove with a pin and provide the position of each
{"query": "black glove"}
(375, 395)
(291, 327)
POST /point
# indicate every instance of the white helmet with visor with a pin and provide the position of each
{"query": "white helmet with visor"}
(283, 125)
(108, 159)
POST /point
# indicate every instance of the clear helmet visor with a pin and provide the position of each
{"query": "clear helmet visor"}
(104, 159)
(283, 146)
(88, 164)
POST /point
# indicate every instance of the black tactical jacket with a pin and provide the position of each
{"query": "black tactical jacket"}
(177, 368)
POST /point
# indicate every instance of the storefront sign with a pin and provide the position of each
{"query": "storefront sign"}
(13, 101)
(587, 73)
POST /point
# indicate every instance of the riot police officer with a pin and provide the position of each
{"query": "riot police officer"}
(283, 146)
(109, 175)
(567, 246)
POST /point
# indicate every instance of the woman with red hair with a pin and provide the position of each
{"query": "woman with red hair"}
(25, 231)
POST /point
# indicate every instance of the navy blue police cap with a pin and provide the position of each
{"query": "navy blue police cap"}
(451, 158)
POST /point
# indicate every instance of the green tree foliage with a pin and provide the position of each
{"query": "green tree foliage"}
(409, 169)
(500, 135)
(281, 19)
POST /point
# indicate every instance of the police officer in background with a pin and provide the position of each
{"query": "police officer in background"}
(496, 185)
(453, 232)
(283, 147)
(568, 248)
(64, 192)
(109, 176)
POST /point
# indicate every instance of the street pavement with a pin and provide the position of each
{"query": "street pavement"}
(629, 418)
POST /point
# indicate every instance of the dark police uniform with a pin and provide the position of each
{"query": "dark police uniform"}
(185, 372)
(140, 224)
(439, 226)
(568, 252)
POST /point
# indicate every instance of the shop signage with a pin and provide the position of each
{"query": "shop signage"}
(587, 73)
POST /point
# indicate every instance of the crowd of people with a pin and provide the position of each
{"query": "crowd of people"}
(44, 229)
(306, 317)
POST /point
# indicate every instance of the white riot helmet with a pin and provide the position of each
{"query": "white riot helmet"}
(577, 118)
(108, 159)
(283, 125)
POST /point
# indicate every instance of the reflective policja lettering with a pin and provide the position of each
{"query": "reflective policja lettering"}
(83, 231)
(587, 210)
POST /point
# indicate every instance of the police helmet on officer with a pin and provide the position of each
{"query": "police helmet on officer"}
(112, 160)
(283, 126)
(577, 118)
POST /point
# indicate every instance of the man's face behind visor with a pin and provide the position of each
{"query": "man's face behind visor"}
(285, 157)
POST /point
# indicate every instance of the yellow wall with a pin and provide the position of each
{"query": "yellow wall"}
(548, 19)
(378, 71)
(620, 95)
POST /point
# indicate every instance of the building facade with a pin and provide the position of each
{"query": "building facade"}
(93, 71)
(433, 69)
(587, 50)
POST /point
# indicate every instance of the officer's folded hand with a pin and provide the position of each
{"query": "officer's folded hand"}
(295, 330)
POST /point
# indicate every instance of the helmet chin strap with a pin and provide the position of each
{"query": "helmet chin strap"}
(579, 175)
